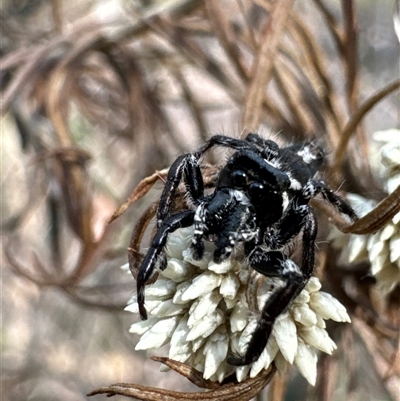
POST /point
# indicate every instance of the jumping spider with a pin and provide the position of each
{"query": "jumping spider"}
(261, 200)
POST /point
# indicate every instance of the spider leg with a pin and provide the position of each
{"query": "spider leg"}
(315, 187)
(271, 264)
(225, 141)
(276, 264)
(155, 256)
(308, 254)
(197, 245)
(187, 166)
(268, 149)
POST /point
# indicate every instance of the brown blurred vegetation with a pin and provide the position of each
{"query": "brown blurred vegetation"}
(97, 95)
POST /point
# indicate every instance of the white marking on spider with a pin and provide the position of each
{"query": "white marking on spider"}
(294, 184)
(274, 163)
(285, 201)
(290, 267)
(306, 154)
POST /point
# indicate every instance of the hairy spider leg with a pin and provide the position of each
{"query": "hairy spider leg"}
(197, 245)
(276, 264)
(155, 256)
(267, 148)
(187, 166)
(227, 142)
(293, 220)
(330, 196)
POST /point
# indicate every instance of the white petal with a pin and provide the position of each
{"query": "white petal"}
(125, 268)
(133, 306)
(245, 335)
(168, 308)
(318, 338)
(223, 371)
(183, 355)
(198, 343)
(215, 353)
(151, 304)
(178, 338)
(388, 231)
(202, 284)
(202, 263)
(285, 334)
(230, 303)
(199, 360)
(391, 155)
(322, 303)
(221, 268)
(304, 315)
(178, 271)
(313, 285)
(395, 247)
(393, 183)
(379, 263)
(328, 307)
(158, 334)
(206, 326)
(205, 305)
(242, 372)
(230, 285)
(375, 246)
(266, 357)
(161, 288)
(357, 248)
(180, 290)
(320, 322)
(178, 242)
(306, 361)
(234, 343)
(142, 326)
(396, 218)
(302, 298)
(239, 317)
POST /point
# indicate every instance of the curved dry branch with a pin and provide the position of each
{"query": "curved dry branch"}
(351, 126)
(243, 391)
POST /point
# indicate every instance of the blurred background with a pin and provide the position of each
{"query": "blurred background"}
(97, 95)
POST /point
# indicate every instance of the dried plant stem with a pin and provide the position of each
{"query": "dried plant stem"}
(222, 28)
(227, 392)
(141, 189)
(263, 65)
(351, 126)
(380, 216)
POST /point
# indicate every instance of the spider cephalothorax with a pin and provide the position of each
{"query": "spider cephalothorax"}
(261, 201)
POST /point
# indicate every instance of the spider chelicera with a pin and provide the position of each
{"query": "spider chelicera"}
(261, 200)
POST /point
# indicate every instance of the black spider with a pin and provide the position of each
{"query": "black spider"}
(261, 199)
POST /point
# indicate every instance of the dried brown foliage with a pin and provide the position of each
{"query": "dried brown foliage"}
(99, 105)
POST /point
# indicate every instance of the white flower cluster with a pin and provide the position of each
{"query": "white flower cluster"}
(201, 309)
(381, 248)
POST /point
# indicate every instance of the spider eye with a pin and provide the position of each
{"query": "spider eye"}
(239, 178)
(256, 190)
